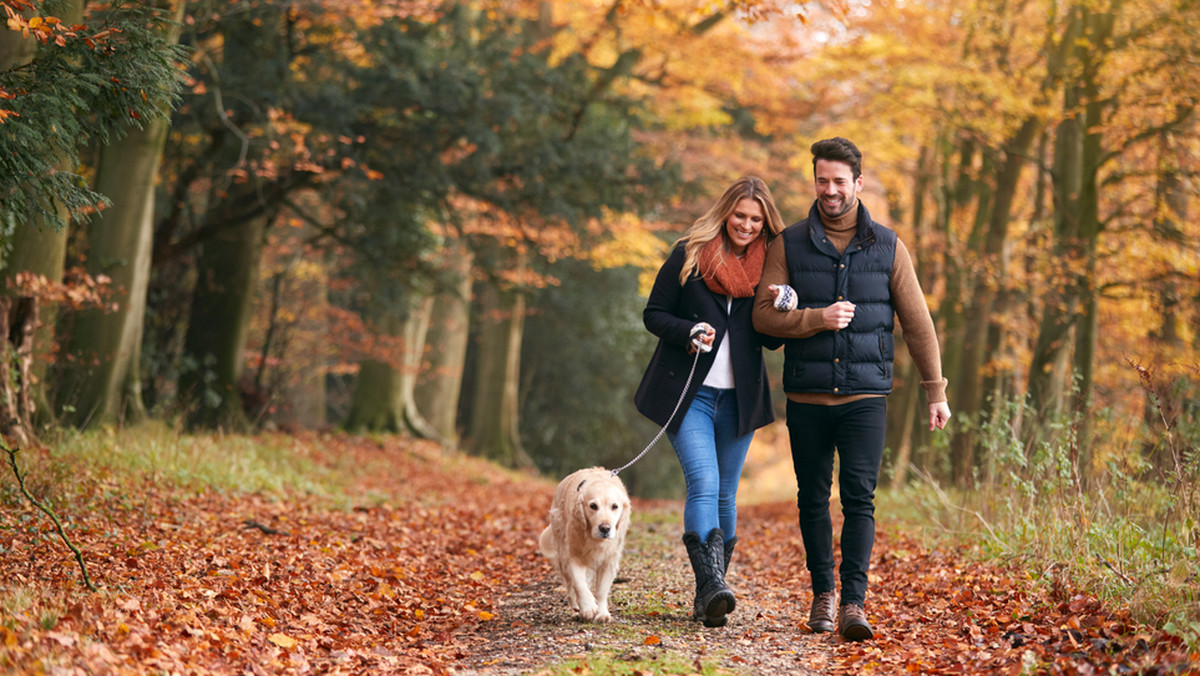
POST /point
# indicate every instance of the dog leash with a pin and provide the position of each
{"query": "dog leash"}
(700, 347)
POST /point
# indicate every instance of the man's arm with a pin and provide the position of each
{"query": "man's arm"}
(919, 334)
(799, 323)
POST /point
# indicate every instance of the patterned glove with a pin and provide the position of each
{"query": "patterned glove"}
(786, 299)
(697, 331)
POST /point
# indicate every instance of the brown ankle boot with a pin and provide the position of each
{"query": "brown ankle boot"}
(852, 623)
(820, 616)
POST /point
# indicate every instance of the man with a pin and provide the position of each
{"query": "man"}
(851, 278)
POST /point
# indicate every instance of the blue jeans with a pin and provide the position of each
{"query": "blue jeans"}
(856, 431)
(712, 456)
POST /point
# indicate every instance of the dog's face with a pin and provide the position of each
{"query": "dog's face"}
(605, 508)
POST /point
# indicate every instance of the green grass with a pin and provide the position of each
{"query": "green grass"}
(114, 460)
(1119, 531)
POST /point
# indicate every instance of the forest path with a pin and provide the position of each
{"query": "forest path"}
(426, 563)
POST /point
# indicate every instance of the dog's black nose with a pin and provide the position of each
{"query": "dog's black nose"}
(605, 530)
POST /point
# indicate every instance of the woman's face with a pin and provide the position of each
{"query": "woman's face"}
(744, 224)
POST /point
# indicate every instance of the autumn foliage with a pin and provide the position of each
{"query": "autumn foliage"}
(409, 572)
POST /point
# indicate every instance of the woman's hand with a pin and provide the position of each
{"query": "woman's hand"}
(702, 336)
(783, 297)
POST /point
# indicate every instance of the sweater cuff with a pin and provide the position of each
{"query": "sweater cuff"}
(935, 390)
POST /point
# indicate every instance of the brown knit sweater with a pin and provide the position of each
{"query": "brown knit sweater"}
(907, 297)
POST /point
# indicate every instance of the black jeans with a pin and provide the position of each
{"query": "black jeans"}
(856, 431)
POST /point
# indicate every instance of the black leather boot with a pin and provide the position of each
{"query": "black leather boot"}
(713, 599)
(729, 545)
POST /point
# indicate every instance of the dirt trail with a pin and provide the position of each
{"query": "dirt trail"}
(652, 607)
(431, 568)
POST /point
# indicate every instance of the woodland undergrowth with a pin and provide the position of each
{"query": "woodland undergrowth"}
(1123, 528)
(341, 554)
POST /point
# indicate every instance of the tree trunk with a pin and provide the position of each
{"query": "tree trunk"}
(101, 382)
(36, 247)
(227, 273)
(910, 399)
(438, 388)
(18, 319)
(377, 405)
(1163, 404)
(383, 393)
(416, 327)
(492, 430)
(983, 312)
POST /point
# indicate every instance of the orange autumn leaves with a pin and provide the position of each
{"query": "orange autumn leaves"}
(414, 570)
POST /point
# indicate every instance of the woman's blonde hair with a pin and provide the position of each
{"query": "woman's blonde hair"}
(712, 224)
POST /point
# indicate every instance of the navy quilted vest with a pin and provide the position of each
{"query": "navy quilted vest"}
(857, 359)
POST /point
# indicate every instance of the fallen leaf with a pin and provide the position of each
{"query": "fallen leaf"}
(282, 640)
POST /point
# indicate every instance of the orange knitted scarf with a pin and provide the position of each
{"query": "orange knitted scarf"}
(729, 275)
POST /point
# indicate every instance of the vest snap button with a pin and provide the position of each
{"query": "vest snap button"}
(835, 389)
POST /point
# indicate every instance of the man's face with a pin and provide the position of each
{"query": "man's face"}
(837, 189)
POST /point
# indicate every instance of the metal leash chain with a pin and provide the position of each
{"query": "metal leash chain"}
(682, 396)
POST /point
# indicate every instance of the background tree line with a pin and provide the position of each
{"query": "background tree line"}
(439, 218)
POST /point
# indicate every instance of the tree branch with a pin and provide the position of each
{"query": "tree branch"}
(12, 461)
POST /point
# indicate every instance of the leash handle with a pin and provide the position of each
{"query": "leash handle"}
(682, 396)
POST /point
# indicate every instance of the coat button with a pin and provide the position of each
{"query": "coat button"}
(839, 297)
(835, 389)
(836, 360)
(842, 265)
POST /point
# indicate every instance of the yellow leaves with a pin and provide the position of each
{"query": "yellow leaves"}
(485, 615)
(282, 640)
(477, 576)
(7, 637)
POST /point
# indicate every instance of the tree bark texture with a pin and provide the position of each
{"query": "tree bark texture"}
(492, 431)
(227, 273)
(101, 382)
(438, 388)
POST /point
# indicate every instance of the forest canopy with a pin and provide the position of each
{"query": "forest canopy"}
(440, 218)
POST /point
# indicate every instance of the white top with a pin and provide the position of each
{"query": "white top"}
(720, 375)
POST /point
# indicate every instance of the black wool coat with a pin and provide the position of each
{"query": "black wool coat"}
(670, 314)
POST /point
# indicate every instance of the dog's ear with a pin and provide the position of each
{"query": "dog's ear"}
(579, 522)
(623, 524)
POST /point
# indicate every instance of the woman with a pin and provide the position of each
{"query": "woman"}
(704, 295)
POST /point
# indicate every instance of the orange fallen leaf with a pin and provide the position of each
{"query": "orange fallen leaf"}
(282, 640)
(485, 615)
(652, 640)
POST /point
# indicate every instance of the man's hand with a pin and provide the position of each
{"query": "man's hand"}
(939, 415)
(838, 316)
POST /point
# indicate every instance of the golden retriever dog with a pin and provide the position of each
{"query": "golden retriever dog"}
(585, 538)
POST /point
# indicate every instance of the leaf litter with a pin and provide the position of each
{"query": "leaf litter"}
(434, 570)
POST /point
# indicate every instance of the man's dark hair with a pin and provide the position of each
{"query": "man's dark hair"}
(838, 149)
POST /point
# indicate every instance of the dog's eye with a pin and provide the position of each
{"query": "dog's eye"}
(594, 507)
(615, 507)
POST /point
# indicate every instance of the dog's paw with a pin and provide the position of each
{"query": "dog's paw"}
(589, 611)
(602, 616)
